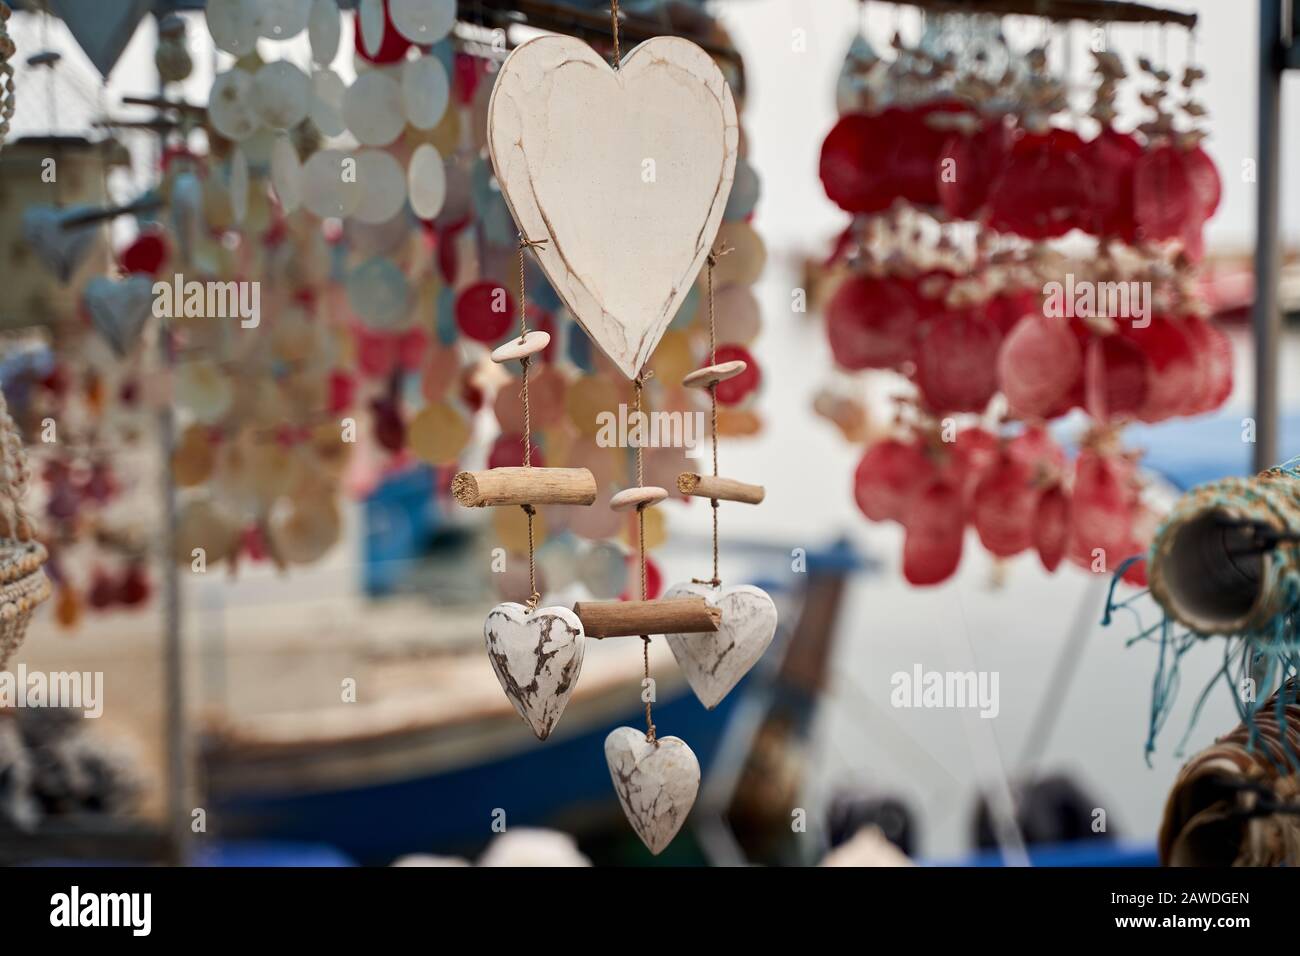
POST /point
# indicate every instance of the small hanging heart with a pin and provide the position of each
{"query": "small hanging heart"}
(61, 250)
(656, 782)
(715, 663)
(625, 173)
(537, 656)
(120, 308)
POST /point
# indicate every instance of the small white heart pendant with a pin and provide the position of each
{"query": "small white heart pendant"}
(656, 782)
(537, 656)
(715, 663)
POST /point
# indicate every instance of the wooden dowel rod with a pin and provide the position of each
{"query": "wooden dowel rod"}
(110, 212)
(524, 486)
(633, 618)
(162, 103)
(1092, 11)
(724, 489)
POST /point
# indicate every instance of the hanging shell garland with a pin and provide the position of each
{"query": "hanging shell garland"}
(23, 584)
(6, 73)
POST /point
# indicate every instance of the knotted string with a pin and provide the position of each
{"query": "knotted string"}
(534, 597)
(714, 256)
(638, 384)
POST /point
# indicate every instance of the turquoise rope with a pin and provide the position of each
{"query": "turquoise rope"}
(1276, 643)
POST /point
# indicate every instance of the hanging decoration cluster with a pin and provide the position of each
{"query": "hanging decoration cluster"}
(384, 254)
(1225, 564)
(1013, 260)
(570, 139)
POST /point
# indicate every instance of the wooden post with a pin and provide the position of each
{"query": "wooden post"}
(635, 618)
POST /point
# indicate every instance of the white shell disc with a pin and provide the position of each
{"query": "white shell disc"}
(327, 102)
(324, 191)
(379, 293)
(234, 24)
(282, 19)
(427, 181)
(383, 186)
(425, 91)
(370, 20)
(282, 94)
(230, 105)
(323, 29)
(372, 109)
(286, 173)
(423, 21)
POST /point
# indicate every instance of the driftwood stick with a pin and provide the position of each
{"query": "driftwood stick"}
(634, 618)
(1113, 11)
(524, 486)
(723, 489)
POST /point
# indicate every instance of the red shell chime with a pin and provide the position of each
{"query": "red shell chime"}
(1012, 262)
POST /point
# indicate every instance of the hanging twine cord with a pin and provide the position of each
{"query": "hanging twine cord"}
(714, 256)
(534, 596)
(638, 384)
(613, 22)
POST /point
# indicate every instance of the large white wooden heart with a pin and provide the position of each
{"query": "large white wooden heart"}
(625, 173)
(714, 663)
(537, 657)
(656, 782)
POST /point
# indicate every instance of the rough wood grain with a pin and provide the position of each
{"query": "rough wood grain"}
(537, 657)
(630, 618)
(656, 782)
(715, 663)
(624, 173)
(723, 489)
(524, 486)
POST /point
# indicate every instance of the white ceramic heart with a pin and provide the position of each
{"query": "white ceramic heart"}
(624, 173)
(61, 250)
(656, 782)
(537, 656)
(715, 662)
(119, 309)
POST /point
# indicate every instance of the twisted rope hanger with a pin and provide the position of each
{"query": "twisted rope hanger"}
(534, 596)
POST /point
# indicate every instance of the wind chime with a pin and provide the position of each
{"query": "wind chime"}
(1226, 563)
(617, 180)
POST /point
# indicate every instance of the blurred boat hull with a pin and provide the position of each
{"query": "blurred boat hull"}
(440, 788)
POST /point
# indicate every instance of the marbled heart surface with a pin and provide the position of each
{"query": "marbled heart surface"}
(119, 308)
(61, 250)
(625, 173)
(715, 663)
(537, 657)
(656, 782)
